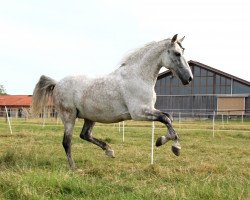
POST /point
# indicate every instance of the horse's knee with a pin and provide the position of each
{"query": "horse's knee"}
(169, 116)
(164, 119)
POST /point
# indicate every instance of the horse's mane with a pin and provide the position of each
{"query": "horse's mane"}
(136, 54)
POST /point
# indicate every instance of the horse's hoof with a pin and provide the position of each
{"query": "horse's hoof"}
(176, 150)
(161, 140)
(110, 153)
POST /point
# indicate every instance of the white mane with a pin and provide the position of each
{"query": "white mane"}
(136, 54)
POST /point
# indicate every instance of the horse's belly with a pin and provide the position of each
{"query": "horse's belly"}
(101, 110)
(105, 116)
(109, 119)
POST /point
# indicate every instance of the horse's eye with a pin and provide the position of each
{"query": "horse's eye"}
(177, 54)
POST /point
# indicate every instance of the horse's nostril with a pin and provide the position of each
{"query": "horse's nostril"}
(190, 79)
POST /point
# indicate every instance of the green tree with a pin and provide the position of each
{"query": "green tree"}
(2, 90)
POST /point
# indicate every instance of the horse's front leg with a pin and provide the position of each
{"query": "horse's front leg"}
(166, 119)
(171, 135)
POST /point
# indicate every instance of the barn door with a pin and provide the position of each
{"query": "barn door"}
(231, 105)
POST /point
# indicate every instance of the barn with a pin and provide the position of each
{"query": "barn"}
(210, 91)
(16, 105)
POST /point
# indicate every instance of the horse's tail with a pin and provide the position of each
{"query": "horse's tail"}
(42, 94)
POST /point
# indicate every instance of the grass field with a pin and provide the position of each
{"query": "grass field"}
(33, 163)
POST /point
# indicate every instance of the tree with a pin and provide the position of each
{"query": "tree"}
(2, 90)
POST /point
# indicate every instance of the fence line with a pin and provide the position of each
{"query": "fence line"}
(210, 121)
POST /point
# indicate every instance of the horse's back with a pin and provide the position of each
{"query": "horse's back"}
(97, 99)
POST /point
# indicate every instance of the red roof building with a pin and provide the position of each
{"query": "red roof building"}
(15, 101)
(19, 106)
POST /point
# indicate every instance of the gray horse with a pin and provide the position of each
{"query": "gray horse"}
(125, 94)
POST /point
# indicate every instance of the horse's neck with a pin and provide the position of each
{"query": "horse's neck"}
(148, 68)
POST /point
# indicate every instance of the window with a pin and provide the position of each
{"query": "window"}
(203, 72)
(209, 73)
(210, 81)
(185, 89)
(228, 89)
(175, 81)
(223, 85)
(210, 90)
(203, 90)
(196, 71)
(203, 81)
(196, 90)
(167, 85)
(163, 86)
(167, 81)
(217, 89)
(175, 91)
(217, 79)
(240, 88)
(222, 80)
(196, 81)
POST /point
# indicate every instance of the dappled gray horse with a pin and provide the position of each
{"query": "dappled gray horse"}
(125, 94)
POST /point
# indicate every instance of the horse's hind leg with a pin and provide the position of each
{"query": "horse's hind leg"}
(69, 122)
(86, 134)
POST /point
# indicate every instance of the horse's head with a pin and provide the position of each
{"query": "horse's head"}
(172, 58)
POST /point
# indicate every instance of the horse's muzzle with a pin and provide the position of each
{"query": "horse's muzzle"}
(186, 81)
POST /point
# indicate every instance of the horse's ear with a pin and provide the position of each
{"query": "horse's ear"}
(173, 40)
(181, 40)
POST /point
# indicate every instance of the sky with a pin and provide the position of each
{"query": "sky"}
(58, 38)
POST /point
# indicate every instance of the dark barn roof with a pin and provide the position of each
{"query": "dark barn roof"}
(191, 63)
(206, 67)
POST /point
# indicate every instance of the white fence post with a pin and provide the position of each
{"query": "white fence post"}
(152, 143)
(43, 117)
(179, 119)
(8, 119)
(222, 119)
(213, 122)
(122, 131)
(119, 127)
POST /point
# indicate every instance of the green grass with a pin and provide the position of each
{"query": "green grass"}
(33, 163)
